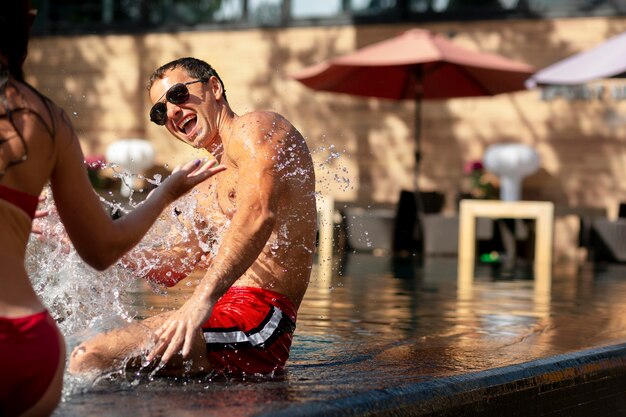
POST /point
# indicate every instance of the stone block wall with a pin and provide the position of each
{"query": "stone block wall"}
(363, 148)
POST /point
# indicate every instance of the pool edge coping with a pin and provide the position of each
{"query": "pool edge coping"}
(438, 394)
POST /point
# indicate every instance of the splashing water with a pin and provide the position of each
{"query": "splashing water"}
(332, 168)
(84, 301)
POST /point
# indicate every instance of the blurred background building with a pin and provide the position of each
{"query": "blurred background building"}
(94, 57)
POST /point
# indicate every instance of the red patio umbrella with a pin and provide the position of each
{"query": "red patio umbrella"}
(417, 65)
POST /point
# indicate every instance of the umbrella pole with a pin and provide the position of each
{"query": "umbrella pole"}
(418, 151)
(419, 203)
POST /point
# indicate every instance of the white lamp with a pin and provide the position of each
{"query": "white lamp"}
(512, 162)
(134, 156)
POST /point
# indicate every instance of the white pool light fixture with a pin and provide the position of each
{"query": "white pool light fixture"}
(511, 162)
(134, 156)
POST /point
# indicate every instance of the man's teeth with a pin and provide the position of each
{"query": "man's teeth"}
(181, 126)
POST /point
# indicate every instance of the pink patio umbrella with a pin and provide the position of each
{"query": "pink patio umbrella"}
(416, 65)
(607, 60)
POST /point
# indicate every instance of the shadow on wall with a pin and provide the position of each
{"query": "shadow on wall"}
(543, 186)
(98, 81)
(361, 124)
(586, 150)
(325, 119)
(361, 131)
(101, 81)
(61, 71)
(581, 166)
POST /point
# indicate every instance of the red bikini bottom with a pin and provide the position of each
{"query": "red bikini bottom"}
(30, 349)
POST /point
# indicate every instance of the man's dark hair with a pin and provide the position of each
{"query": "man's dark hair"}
(195, 68)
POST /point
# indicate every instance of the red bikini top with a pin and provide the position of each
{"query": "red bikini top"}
(20, 199)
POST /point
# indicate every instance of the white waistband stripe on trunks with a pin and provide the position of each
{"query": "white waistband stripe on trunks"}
(254, 338)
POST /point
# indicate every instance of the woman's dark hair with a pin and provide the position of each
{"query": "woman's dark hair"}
(195, 68)
(15, 19)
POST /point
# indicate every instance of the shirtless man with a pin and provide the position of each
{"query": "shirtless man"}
(241, 316)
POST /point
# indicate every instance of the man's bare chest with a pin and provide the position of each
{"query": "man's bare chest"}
(226, 190)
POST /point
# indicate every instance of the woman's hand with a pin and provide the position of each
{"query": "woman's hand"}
(185, 177)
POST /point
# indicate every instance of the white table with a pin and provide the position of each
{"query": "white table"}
(541, 211)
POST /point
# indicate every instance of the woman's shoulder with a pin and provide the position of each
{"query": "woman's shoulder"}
(28, 99)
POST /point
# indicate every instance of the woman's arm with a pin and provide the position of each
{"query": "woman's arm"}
(169, 264)
(184, 242)
(98, 239)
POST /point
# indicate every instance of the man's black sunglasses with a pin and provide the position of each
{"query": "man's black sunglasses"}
(177, 94)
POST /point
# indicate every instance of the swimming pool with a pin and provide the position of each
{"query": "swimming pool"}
(386, 337)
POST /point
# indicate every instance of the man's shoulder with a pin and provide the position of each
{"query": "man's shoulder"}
(262, 117)
(258, 125)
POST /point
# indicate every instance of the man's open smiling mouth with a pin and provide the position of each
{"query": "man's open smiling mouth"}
(187, 124)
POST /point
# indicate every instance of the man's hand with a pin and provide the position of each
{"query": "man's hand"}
(39, 214)
(179, 330)
(36, 228)
(47, 234)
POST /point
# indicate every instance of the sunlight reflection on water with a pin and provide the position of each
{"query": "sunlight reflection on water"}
(373, 323)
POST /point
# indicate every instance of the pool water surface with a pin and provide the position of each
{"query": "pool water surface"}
(377, 323)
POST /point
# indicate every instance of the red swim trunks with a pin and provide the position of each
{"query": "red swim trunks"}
(250, 331)
(30, 351)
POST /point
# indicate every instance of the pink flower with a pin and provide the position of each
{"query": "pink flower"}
(95, 161)
(472, 166)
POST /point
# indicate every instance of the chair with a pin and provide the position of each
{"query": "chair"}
(408, 233)
(608, 240)
(441, 235)
(369, 229)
